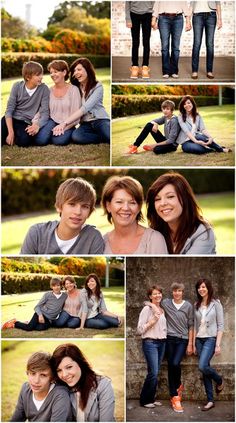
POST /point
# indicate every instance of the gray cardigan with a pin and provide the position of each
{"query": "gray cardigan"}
(101, 402)
(56, 407)
(171, 128)
(214, 318)
(187, 127)
(138, 7)
(40, 239)
(50, 306)
(24, 107)
(179, 322)
(202, 241)
(87, 303)
(211, 4)
(92, 106)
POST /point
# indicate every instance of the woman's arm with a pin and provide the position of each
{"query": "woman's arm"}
(219, 16)
(220, 326)
(146, 321)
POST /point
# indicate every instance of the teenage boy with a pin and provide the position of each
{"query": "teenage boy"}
(179, 316)
(40, 399)
(75, 201)
(165, 143)
(47, 309)
(27, 99)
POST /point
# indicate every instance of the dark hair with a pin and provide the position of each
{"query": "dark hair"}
(210, 294)
(55, 281)
(127, 183)
(152, 288)
(191, 214)
(168, 104)
(177, 285)
(59, 65)
(31, 68)
(70, 279)
(182, 110)
(98, 285)
(87, 65)
(88, 379)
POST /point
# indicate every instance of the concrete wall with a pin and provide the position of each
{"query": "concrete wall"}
(143, 272)
(224, 38)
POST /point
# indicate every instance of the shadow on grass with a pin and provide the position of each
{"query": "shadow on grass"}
(51, 155)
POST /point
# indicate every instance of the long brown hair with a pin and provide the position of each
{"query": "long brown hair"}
(98, 285)
(210, 294)
(191, 215)
(88, 379)
(182, 110)
(91, 80)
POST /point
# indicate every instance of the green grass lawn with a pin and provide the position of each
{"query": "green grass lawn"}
(106, 357)
(21, 307)
(217, 208)
(51, 155)
(218, 120)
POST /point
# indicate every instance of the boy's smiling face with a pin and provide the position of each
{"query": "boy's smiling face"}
(167, 112)
(73, 216)
(40, 382)
(56, 288)
(34, 81)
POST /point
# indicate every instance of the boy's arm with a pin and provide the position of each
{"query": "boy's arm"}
(44, 107)
(30, 244)
(41, 303)
(174, 131)
(97, 245)
(11, 136)
(19, 413)
(61, 407)
(127, 14)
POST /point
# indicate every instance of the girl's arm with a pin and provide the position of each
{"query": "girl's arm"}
(82, 321)
(220, 326)
(219, 16)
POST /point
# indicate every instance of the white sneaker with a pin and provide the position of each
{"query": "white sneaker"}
(166, 76)
(175, 75)
(157, 403)
(150, 405)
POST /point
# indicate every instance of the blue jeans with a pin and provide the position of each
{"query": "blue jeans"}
(175, 350)
(45, 135)
(22, 138)
(170, 27)
(191, 147)
(205, 350)
(153, 350)
(65, 320)
(94, 132)
(101, 322)
(203, 21)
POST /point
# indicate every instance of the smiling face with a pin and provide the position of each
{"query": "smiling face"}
(57, 76)
(69, 286)
(40, 382)
(156, 296)
(73, 216)
(123, 208)
(56, 288)
(69, 371)
(177, 295)
(168, 206)
(92, 284)
(202, 290)
(80, 74)
(167, 112)
(34, 81)
(188, 106)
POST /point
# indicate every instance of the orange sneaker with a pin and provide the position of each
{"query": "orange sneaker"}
(10, 324)
(147, 147)
(180, 390)
(134, 72)
(145, 72)
(176, 404)
(133, 149)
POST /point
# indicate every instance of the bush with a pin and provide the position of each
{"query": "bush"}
(12, 62)
(15, 283)
(126, 105)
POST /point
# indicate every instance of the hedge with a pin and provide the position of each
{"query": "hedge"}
(126, 105)
(15, 283)
(12, 62)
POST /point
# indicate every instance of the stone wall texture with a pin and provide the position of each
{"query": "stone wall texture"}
(224, 38)
(143, 272)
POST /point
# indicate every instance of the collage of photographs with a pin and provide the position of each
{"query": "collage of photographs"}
(118, 211)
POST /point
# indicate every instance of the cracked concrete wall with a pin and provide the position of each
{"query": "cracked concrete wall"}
(143, 272)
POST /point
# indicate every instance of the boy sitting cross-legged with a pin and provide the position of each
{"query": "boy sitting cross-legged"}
(40, 399)
(28, 99)
(47, 310)
(75, 201)
(165, 143)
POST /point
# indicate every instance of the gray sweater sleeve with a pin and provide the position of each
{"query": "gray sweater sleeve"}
(174, 131)
(219, 316)
(95, 97)
(106, 401)
(127, 11)
(41, 302)
(203, 244)
(61, 407)
(102, 306)
(160, 120)
(11, 104)
(30, 244)
(19, 413)
(44, 107)
(97, 245)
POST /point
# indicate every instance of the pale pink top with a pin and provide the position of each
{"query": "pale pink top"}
(152, 242)
(171, 7)
(62, 107)
(146, 329)
(72, 305)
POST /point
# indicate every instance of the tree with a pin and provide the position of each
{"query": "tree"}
(16, 27)
(97, 9)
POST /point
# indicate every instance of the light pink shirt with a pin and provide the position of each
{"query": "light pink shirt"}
(171, 7)
(62, 107)
(156, 331)
(72, 305)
